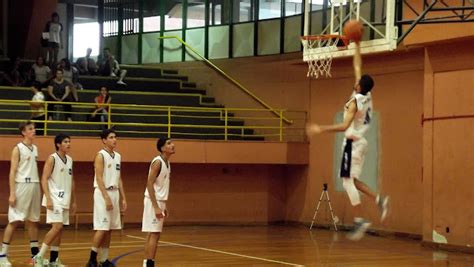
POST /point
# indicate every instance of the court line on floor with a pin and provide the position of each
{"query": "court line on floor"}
(81, 248)
(137, 245)
(75, 244)
(221, 252)
(114, 260)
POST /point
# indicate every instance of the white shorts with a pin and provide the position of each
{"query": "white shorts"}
(105, 220)
(353, 156)
(28, 203)
(149, 222)
(57, 215)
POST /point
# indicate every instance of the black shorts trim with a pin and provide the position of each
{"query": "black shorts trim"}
(345, 171)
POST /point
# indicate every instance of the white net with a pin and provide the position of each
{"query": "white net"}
(317, 51)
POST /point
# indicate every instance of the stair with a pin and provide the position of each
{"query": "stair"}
(145, 86)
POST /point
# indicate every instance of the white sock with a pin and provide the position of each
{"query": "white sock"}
(43, 250)
(54, 248)
(94, 249)
(5, 248)
(122, 75)
(34, 244)
(358, 219)
(104, 255)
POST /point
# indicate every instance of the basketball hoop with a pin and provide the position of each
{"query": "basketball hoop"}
(317, 51)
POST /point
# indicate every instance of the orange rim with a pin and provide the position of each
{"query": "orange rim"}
(325, 37)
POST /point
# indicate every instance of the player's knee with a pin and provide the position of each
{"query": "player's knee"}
(351, 190)
(14, 224)
(58, 227)
(348, 183)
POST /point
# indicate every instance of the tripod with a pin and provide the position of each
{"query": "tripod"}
(334, 218)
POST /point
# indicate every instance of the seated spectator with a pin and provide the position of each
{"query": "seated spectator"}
(15, 76)
(37, 108)
(4, 79)
(101, 111)
(71, 75)
(86, 65)
(109, 66)
(59, 90)
(40, 72)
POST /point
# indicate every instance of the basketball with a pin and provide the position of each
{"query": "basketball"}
(354, 30)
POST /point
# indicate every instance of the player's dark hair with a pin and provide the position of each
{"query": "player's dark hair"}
(58, 140)
(105, 133)
(23, 126)
(161, 142)
(366, 84)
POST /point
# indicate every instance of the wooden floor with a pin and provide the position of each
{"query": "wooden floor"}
(250, 246)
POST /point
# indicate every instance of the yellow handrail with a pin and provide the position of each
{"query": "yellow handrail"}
(139, 106)
(247, 91)
(271, 128)
(155, 107)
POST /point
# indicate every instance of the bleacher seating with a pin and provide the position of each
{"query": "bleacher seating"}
(145, 86)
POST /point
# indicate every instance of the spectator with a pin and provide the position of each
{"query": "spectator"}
(40, 72)
(4, 79)
(59, 90)
(86, 65)
(71, 75)
(109, 66)
(37, 108)
(55, 40)
(15, 77)
(101, 111)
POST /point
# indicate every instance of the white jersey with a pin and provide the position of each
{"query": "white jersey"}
(27, 171)
(361, 123)
(60, 181)
(162, 182)
(111, 174)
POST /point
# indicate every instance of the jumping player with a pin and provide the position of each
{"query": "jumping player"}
(356, 123)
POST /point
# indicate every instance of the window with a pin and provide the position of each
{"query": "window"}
(173, 15)
(243, 11)
(86, 35)
(293, 7)
(151, 16)
(269, 9)
(220, 12)
(196, 14)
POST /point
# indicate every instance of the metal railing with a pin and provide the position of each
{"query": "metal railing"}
(230, 78)
(172, 121)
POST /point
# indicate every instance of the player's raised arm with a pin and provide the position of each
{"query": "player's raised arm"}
(357, 63)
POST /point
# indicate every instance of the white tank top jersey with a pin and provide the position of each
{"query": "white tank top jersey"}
(162, 182)
(27, 171)
(361, 123)
(60, 182)
(111, 174)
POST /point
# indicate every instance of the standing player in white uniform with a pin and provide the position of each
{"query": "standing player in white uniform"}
(59, 198)
(25, 192)
(357, 117)
(108, 188)
(156, 195)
